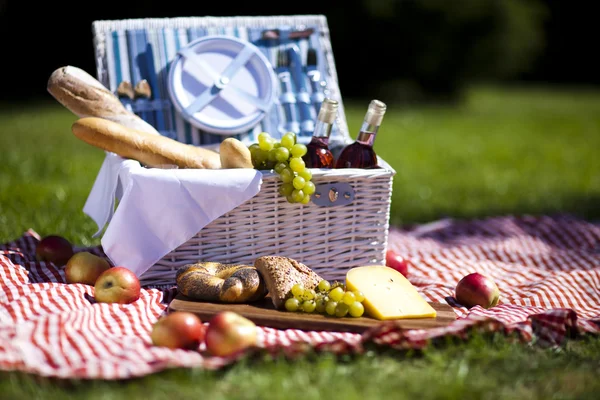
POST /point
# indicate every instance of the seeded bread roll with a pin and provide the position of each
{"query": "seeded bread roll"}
(281, 273)
(148, 149)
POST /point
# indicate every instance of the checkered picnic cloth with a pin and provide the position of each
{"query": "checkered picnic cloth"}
(547, 269)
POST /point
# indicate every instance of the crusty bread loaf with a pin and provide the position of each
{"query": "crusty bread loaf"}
(148, 149)
(85, 96)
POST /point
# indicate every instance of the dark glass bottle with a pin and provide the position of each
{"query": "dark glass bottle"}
(360, 154)
(318, 154)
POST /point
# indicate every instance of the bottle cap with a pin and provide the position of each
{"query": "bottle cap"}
(375, 112)
(328, 111)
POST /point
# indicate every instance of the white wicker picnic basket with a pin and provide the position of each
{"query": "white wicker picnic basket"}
(347, 223)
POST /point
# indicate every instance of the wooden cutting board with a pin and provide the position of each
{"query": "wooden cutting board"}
(263, 313)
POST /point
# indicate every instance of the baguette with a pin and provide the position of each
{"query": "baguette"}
(148, 149)
(85, 96)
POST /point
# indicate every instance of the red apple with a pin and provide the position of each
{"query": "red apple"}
(229, 333)
(397, 262)
(477, 289)
(178, 330)
(85, 268)
(117, 285)
(55, 249)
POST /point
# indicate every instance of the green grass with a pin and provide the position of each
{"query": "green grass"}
(510, 151)
(483, 368)
(517, 151)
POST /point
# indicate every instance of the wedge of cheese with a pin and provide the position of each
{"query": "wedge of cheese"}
(388, 294)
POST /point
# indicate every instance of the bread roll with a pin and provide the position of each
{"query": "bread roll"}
(234, 154)
(85, 96)
(281, 274)
(148, 149)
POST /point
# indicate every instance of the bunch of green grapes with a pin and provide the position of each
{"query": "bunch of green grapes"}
(285, 157)
(334, 300)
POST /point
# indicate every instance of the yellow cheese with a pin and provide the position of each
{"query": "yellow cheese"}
(388, 294)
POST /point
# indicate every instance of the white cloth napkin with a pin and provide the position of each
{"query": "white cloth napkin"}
(160, 209)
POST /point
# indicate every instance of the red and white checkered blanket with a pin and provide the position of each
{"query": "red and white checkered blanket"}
(547, 269)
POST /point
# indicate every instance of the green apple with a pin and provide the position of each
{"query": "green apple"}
(85, 267)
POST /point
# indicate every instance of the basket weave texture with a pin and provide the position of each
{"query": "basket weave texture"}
(328, 239)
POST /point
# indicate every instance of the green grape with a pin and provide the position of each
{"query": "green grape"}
(282, 154)
(286, 189)
(336, 294)
(292, 304)
(324, 286)
(306, 174)
(297, 195)
(266, 145)
(286, 175)
(276, 145)
(290, 199)
(305, 200)
(331, 307)
(273, 155)
(320, 296)
(260, 156)
(297, 164)
(264, 137)
(321, 304)
(298, 290)
(348, 298)
(341, 310)
(360, 297)
(267, 165)
(309, 294)
(280, 167)
(288, 140)
(299, 182)
(254, 147)
(298, 150)
(338, 284)
(356, 309)
(309, 306)
(309, 187)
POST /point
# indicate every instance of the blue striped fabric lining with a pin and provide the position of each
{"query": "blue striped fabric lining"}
(136, 54)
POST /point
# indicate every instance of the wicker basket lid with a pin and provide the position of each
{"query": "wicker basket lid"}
(222, 84)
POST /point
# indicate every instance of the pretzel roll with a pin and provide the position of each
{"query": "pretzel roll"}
(225, 283)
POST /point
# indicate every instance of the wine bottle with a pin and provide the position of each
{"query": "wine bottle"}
(318, 154)
(360, 154)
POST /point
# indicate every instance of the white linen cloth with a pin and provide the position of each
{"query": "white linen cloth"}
(160, 209)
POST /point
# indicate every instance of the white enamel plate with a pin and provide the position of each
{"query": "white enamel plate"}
(222, 85)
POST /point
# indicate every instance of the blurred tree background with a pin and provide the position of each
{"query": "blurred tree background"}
(436, 47)
(402, 50)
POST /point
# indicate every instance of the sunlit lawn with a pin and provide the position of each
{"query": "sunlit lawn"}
(505, 151)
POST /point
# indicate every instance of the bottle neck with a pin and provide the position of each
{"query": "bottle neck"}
(367, 133)
(322, 130)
